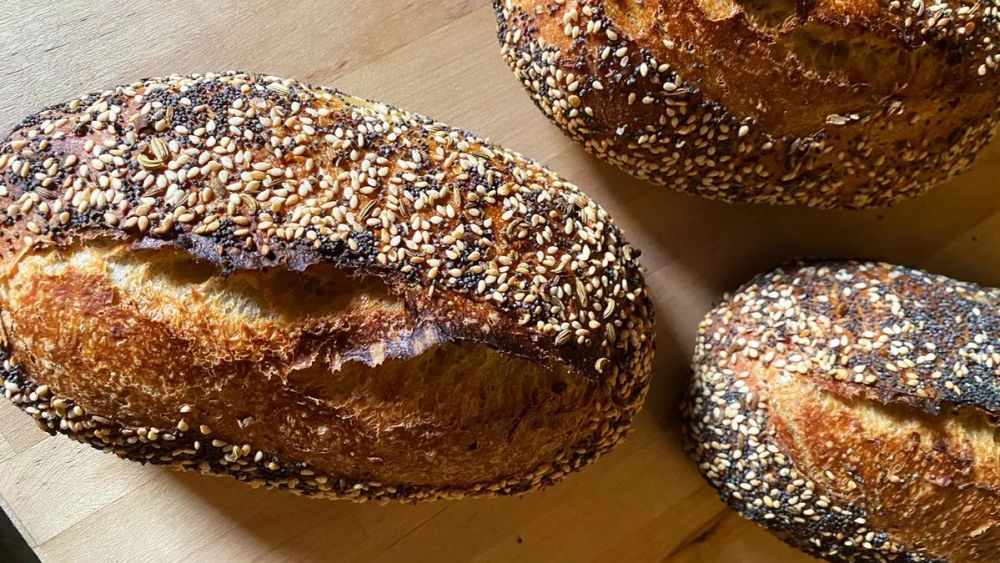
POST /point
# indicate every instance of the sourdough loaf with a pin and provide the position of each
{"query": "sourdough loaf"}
(852, 103)
(239, 274)
(852, 408)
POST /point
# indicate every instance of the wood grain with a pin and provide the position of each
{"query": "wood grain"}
(643, 502)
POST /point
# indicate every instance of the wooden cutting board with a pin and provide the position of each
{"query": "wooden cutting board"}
(643, 502)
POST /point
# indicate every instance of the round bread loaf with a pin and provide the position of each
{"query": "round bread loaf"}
(829, 104)
(244, 275)
(852, 409)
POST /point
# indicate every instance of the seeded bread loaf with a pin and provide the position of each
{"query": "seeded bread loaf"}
(244, 275)
(830, 104)
(852, 408)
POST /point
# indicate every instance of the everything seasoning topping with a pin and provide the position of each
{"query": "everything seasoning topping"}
(252, 171)
(580, 64)
(901, 335)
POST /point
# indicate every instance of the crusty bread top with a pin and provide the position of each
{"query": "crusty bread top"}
(851, 103)
(249, 172)
(890, 333)
(851, 408)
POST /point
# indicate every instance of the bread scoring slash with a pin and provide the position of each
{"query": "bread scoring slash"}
(245, 275)
(852, 407)
(856, 104)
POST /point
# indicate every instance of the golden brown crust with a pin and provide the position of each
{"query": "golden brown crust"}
(237, 238)
(851, 408)
(829, 104)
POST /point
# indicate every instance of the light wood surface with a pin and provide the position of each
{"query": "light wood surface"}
(643, 502)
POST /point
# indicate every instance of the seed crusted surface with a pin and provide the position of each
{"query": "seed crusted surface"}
(888, 333)
(251, 172)
(733, 107)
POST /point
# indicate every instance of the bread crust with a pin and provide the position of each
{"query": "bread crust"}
(162, 249)
(851, 408)
(829, 104)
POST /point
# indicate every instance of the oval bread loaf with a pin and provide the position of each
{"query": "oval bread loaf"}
(830, 104)
(244, 275)
(852, 408)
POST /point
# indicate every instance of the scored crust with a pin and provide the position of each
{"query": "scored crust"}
(439, 238)
(852, 408)
(829, 104)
